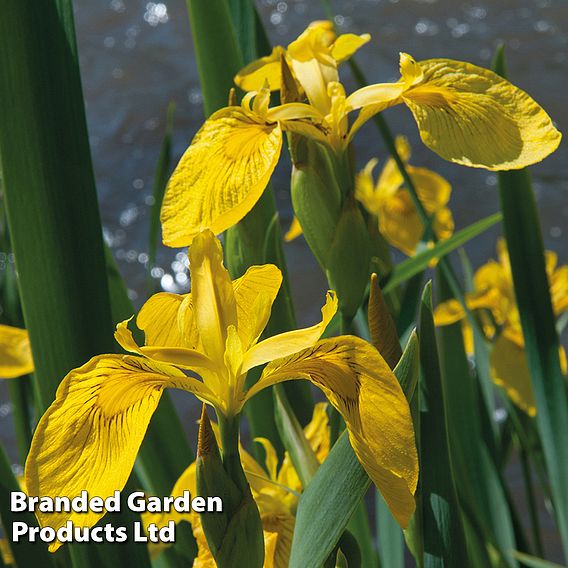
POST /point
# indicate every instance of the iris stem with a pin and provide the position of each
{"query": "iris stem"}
(229, 435)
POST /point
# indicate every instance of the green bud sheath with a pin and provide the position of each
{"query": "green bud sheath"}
(234, 536)
(348, 262)
(316, 196)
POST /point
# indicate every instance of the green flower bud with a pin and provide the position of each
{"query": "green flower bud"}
(349, 260)
(316, 196)
(234, 535)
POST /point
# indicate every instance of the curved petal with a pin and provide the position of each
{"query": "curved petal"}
(361, 386)
(511, 372)
(266, 70)
(434, 190)
(220, 177)
(472, 116)
(89, 437)
(15, 352)
(400, 223)
(290, 342)
(380, 94)
(253, 311)
(178, 356)
(448, 312)
(167, 321)
(346, 45)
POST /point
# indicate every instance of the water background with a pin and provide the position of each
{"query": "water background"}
(137, 56)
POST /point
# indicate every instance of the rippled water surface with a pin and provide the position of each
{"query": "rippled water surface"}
(137, 56)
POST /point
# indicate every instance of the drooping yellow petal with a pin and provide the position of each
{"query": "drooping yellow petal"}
(221, 175)
(253, 310)
(89, 437)
(261, 72)
(360, 384)
(212, 293)
(15, 352)
(471, 116)
(511, 371)
(290, 342)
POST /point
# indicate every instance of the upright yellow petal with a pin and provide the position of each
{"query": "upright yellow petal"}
(410, 71)
(255, 293)
(361, 386)
(511, 371)
(221, 175)
(260, 72)
(167, 321)
(346, 45)
(290, 342)
(390, 178)
(15, 352)
(89, 437)
(471, 116)
(212, 292)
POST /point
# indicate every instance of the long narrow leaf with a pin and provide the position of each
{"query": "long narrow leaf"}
(444, 541)
(480, 485)
(159, 185)
(412, 266)
(49, 190)
(526, 252)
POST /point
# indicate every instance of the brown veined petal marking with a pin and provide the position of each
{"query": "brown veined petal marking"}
(472, 116)
(89, 436)
(361, 386)
(220, 177)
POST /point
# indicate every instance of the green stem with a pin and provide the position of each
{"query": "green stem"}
(229, 436)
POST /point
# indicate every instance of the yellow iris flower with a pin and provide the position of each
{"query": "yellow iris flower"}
(466, 114)
(89, 437)
(391, 203)
(15, 352)
(275, 493)
(494, 291)
(313, 58)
